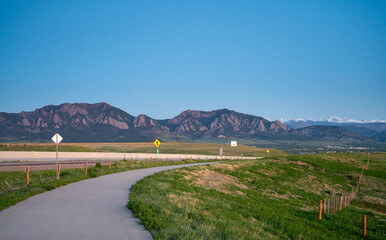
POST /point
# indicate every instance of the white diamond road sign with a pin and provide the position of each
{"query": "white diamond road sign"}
(57, 138)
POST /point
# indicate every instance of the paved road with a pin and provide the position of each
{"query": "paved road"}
(90, 209)
(51, 156)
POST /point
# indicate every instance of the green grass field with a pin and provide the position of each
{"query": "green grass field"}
(147, 147)
(43, 147)
(264, 199)
(13, 188)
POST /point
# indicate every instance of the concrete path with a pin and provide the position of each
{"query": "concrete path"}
(90, 209)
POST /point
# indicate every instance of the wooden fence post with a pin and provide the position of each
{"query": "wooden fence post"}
(179, 158)
(167, 160)
(340, 203)
(58, 174)
(348, 200)
(324, 206)
(368, 159)
(85, 170)
(199, 158)
(320, 209)
(364, 226)
(131, 164)
(109, 164)
(151, 160)
(328, 206)
(27, 175)
(333, 205)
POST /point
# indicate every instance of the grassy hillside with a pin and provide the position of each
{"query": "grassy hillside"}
(264, 199)
(147, 147)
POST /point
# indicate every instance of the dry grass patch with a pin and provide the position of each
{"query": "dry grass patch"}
(227, 167)
(298, 163)
(268, 172)
(186, 199)
(213, 180)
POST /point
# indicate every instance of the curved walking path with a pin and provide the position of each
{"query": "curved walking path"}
(90, 209)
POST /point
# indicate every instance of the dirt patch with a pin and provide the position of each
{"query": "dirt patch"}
(227, 167)
(268, 172)
(298, 163)
(244, 163)
(374, 199)
(213, 180)
(346, 160)
(311, 184)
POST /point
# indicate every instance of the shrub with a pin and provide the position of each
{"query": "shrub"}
(64, 173)
(92, 172)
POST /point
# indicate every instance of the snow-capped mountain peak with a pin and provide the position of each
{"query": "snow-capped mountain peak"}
(335, 119)
(332, 119)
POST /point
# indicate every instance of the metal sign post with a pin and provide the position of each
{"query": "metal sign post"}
(57, 139)
(157, 143)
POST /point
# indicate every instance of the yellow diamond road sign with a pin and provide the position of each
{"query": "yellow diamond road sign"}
(157, 142)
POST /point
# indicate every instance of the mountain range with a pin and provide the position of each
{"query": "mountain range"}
(101, 122)
(366, 128)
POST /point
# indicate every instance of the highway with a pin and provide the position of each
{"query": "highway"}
(6, 156)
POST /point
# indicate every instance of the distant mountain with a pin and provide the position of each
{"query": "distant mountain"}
(381, 137)
(364, 128)
(101, 122)
(77, 122)
(333, 120)
(224, 122)
(333, 133)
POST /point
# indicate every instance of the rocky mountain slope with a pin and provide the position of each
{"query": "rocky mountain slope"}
(101, 122)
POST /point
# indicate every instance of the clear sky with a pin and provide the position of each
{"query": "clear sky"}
(275, 59)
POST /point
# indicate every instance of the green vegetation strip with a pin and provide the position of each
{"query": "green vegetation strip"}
(13, 187)
(263, 199)
(146, 147)
(44, 148)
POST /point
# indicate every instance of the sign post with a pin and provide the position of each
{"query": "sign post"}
(57, 139)
(157, 143)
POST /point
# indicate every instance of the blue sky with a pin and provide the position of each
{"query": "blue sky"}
(276, 59)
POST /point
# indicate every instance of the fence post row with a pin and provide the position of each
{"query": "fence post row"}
(364, 226)
(58, 173)
(324, 206)
(27, 175)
